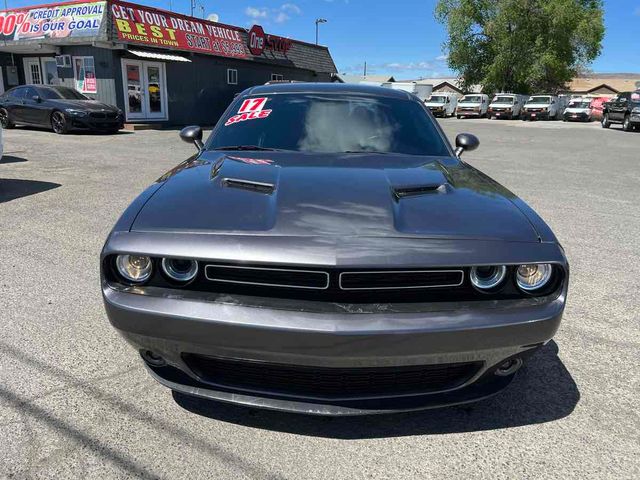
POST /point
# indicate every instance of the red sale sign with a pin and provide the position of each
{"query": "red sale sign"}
(251, 109)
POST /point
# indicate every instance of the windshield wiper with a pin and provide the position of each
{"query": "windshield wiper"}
(245, 147)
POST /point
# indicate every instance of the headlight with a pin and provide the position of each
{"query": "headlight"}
(74, 111)
(134, 268)
(488, 277)
(533, 276)
(180, 270)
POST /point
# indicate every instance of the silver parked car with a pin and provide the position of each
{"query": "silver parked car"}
(326, 251)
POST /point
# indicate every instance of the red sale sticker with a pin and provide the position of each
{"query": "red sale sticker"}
(251, 109)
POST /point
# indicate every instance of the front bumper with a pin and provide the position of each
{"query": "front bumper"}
(469, 113)
(535, 115)
(87, 122)
(438, 111)
(502, 114)
(576, 117)
(171, 324)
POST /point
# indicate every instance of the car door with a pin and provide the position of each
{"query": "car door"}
(617, 107)
(34, 107)
(15, 104)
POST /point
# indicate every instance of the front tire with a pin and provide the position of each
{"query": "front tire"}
(626, 124)
(605, 121)
(4, 119)
(59, 123)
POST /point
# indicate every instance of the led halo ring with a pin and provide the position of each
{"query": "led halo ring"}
(134, 268)
(177, 274)
(533, 276)
(496, 278)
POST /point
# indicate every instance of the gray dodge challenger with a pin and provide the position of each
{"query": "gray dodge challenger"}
(327, 251)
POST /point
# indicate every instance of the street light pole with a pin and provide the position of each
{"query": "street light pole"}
(318, 21)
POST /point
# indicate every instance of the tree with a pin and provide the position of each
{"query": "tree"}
(522, 46)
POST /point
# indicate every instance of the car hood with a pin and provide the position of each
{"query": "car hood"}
(501, 105)
(577, 110)
(88, 105)
(537, 105)
(434, 104)
(298, 194)
(469, 104)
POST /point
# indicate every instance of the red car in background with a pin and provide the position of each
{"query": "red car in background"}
(597, 106)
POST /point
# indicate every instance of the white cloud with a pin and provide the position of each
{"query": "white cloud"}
(280, 14)
(396, 66)
(442, 58)
(291, 8)
(256, 13)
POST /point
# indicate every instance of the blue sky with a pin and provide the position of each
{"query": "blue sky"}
(398, 37)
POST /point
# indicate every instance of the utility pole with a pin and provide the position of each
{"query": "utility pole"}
(318, 21)
(365, 68)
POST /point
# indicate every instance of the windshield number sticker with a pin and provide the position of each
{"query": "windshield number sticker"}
(251, 109)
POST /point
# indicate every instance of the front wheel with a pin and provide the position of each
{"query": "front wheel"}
(59, 123)
(4, 119)
(626, 124)
(605, 121)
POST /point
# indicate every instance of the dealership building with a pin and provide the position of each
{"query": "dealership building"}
(157, 66)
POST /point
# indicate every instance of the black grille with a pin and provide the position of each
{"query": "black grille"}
(103, 115)
(268, 277)
(335, 383)
(383, 280)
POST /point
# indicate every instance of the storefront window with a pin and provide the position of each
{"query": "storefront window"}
(85, 74)
(276, 77)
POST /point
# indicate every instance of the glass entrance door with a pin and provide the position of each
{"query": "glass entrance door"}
(32, 70)
(145, 90)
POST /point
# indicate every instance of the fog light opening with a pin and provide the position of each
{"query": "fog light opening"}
(509, 367)
(153, 359)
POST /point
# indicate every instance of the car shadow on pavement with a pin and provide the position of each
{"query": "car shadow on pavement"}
(73, 132)
(11, 189)
(542, 391)
(11, 159)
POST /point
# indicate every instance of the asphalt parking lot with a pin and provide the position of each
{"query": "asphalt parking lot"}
(75, 401)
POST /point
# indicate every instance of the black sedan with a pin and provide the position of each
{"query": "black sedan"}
(59, 108)
(327, 251)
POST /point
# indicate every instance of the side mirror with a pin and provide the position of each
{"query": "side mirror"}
(193, 134)
(36, 98)
(466, 142)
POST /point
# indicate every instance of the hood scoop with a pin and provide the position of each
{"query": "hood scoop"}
(259, 187)
(430, 179)
(415, 190)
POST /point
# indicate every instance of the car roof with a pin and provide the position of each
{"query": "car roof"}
(337, 88)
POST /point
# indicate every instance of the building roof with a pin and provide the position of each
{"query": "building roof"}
(342, 78)
(616, 82)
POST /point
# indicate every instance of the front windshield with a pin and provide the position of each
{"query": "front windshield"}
(65, 93)
(508, 100)
(329, 123)
(581, 104)
(437, 99)
(539, 100)
(471, 99)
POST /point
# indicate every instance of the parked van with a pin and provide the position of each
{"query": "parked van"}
(473, 105)
(422, 91)
(578, 110)
(506, 105)
(442, 104)
(545, 107)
